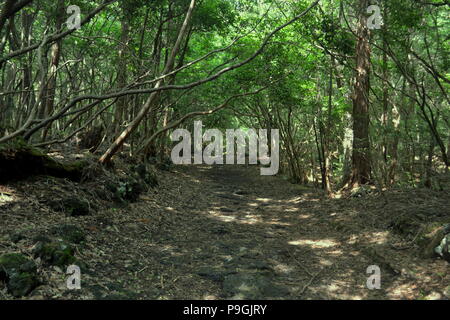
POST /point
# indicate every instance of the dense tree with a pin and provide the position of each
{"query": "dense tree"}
(353, 104)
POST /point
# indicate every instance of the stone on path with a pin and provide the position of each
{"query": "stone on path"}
(19, 273)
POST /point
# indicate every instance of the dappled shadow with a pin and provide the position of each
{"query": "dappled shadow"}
(242, 219)
(205, 227)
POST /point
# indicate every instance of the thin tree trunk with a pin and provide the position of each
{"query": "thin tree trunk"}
(105, 158)
(361, 168)
(49, 101)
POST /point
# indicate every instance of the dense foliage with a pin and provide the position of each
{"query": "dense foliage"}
(136, 68)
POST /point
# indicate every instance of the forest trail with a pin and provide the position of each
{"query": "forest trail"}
(226, 232)
(251, 236)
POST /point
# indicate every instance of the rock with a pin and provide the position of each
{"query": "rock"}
(55, 253)
(19, 160)
(19, 273)
(443, 249)
(15, 262)
(71, 206)
(430, 239)
(21, 284)
(70, 233)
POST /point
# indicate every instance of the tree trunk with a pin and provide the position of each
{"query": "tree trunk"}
(105, 158)
(361, 168)
(49, 102)
(122, 72)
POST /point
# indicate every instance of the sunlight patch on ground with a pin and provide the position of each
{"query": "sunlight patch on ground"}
(375, 237)
(283, 268)
(226, 218)
(295, 200)
(323, 243)
(336, 252)
(352, 240)
(379, 237)
(326, 262)
(335, 290)
(251, 219)
(372, 237)
(308, 198)
(402, 291)
(304, 216)
(7, 195)
(4, 198)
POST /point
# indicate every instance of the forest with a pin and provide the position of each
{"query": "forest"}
(106, 174)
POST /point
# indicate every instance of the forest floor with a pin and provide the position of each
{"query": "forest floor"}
(225, 232)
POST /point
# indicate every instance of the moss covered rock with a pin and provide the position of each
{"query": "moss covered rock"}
(443, 249)
(21, 284)
(19, 273)
(430, 238)
(14, 262)
(58, 254)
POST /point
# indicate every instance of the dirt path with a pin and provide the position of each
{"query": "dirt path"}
(220, 232)
(227, 232)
